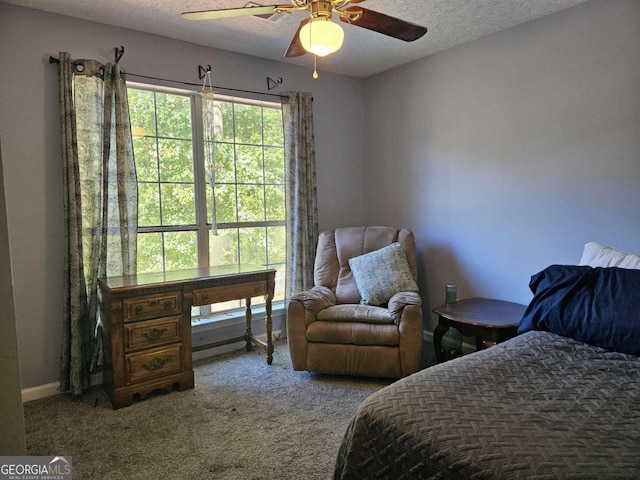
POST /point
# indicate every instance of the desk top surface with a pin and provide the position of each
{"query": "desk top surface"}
(181, 276)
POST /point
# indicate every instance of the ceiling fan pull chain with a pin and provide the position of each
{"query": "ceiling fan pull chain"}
(315, 69)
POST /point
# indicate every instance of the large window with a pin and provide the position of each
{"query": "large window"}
(210, 180)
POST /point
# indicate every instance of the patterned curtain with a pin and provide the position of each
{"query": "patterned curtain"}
(301, 193)
(100, 204)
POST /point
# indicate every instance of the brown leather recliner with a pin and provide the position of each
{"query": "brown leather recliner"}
(329, 331)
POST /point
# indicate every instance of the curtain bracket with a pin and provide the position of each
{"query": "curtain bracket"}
(119, 53)
(202, 71)
(273, 82)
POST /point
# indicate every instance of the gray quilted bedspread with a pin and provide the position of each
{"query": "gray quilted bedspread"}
(539, 406)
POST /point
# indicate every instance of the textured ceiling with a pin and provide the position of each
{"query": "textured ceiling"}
(364, 53)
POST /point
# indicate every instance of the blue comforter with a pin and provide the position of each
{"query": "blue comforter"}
(598, 306)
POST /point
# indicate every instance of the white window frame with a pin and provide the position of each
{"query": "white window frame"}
(202, 315)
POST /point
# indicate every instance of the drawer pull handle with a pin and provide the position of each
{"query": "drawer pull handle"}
(139, 309)
(205, 296)
(155, 364)
(168, 305)
(155, 333)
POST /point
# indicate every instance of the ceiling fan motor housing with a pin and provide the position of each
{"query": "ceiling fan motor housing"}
(320, 9)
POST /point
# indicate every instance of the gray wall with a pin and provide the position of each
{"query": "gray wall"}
(12, 440)
(507, 154)
(29, 127)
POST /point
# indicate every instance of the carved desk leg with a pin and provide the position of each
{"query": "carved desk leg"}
(247, 333)
(269, 326)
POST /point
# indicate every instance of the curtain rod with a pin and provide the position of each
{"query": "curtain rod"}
(229, 89)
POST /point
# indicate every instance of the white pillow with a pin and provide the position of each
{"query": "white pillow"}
(380, 274)
(598, 255)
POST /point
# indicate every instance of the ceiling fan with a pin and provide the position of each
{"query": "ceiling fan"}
(317, 34)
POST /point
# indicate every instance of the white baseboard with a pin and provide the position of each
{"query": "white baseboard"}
(212, 352)
(41, 391)
(51, 389)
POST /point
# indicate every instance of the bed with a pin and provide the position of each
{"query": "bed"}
(560, 400)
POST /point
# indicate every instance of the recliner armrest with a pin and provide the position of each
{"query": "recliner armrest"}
(316, 298)
(401, 300)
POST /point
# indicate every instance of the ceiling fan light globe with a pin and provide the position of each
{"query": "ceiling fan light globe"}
(321, 36)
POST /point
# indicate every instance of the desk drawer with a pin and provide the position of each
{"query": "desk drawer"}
(205, 296)
(153, 363)
(151, 306)
(151, 333)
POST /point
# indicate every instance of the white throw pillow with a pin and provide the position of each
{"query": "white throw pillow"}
(598, 255)
(379, 275)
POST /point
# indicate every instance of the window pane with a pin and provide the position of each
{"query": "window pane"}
(249, 164)
(178, 204)
(225, 203)
(150, 252)
(209, 195)
(248, 123)
(253, 245)
(142, 111)
(223, 248)
(148, 204)
(176, 163)
(225, 168)
(180, 250)
(174, 115)
(146, 159)
(272, 118)
(250, 203)
(275, 202)
(280, 277)
(226, 306)
(274, 165)
(276, 244)
(223, 122)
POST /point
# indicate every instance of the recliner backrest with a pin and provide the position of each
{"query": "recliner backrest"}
(336, 247)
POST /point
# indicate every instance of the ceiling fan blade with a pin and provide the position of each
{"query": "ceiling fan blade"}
(295, 47)
(381, 23)
(230, 12)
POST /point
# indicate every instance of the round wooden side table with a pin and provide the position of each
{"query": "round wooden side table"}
(490, 321)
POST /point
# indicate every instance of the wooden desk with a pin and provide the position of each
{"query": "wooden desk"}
(147, 324)
(490, 321)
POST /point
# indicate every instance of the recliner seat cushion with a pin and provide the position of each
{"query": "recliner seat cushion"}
(355, 313)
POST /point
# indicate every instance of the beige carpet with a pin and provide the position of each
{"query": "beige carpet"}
(243, 420)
